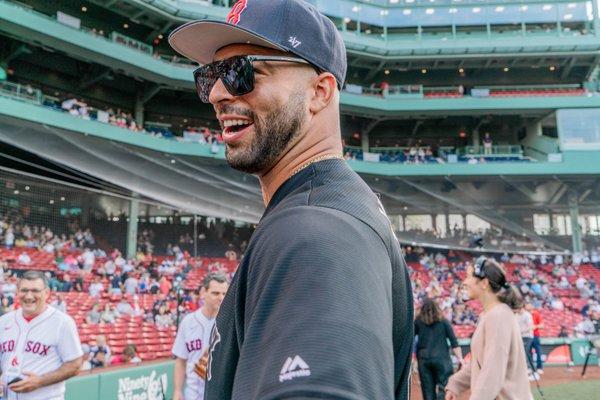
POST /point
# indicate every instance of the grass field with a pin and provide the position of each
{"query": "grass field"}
(558, 383)
(581, 390)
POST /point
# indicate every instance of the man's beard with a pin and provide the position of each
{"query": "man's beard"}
(272, 135)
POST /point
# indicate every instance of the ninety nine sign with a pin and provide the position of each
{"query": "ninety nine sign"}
(152, 382)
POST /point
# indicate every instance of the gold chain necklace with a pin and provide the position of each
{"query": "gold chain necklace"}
(320, 158)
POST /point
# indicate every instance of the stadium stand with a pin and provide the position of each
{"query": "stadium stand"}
(478, 131)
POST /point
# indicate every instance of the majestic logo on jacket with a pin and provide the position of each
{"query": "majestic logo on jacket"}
(236, 12)
(293, 368)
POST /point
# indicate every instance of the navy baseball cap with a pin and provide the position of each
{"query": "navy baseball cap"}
(289, 25)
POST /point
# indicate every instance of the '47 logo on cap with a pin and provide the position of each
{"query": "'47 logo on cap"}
(236, 11)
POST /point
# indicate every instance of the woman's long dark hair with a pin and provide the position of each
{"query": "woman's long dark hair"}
(430, 312)
(505, 292)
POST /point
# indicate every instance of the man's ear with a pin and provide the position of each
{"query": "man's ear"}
(324, 89)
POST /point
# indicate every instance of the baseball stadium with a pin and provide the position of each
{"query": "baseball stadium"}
(475, 122)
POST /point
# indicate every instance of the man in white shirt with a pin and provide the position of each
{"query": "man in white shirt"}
(96, 287)
(131, 284)
(192, 341)
(59, 303)
(525, 321)
(124, 308)
(40, 345)
(88, 259)
(24, 259)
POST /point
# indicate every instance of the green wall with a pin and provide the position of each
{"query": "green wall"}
(147, 382)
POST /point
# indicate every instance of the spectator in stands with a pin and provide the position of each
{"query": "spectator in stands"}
(433, 353)
(536, 345)
(89, 259)
(163, 319)
(69, 104)
(101, 344)
(165, 285)
(59, 303)
(109, 314)
(131, 285)
(585, 328)
(137, 310)
(24, 259)
(9, 288)
(78, 283)
(93, 316)
(6, 305)
(496, 344)
(487, 144)
(9, 238)
(109, 267)
(96, 287)
(86, 365)
(124, 308)
(525, 321)
(66, 284)
(563, 333)
(115, 284)
(99, 358)
(129, 356)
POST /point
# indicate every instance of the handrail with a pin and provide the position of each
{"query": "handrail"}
(468, 151)
(22, 92)
(496, 150)
(396, 89)
(114, 37)
(531, 87)
(132, 43)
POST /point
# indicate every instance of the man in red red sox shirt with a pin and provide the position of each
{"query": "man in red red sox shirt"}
(535, 344)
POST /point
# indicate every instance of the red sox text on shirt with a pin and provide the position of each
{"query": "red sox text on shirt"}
(30, 347)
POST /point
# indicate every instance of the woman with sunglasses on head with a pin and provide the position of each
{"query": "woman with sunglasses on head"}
(497, 369)
(433, 355)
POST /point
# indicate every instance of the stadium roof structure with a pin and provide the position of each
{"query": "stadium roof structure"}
(207, 186)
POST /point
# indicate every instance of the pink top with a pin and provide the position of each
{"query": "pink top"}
(497, 370)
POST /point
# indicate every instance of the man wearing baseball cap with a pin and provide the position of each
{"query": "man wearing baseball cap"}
(321, 304)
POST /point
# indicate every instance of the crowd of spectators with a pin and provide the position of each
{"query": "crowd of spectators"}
(491, 238)
(406, 155)
(540, 280)
(82, 267)
(123, 119)
(16, 233)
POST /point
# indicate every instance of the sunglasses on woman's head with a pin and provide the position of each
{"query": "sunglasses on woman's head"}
(236, 73)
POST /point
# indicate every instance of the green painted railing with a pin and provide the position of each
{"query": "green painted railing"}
(498, 150)
(21, 92)
(130, 42)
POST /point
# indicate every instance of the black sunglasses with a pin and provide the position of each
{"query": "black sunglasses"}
(236, 73)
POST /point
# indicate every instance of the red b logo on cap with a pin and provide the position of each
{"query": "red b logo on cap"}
(236, 11)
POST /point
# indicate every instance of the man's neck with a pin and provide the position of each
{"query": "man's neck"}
(28, 317)
(210, 314)
(314, 145)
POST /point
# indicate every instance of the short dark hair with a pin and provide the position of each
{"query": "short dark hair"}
(35, 275)
(130, 350)
(214, 276)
